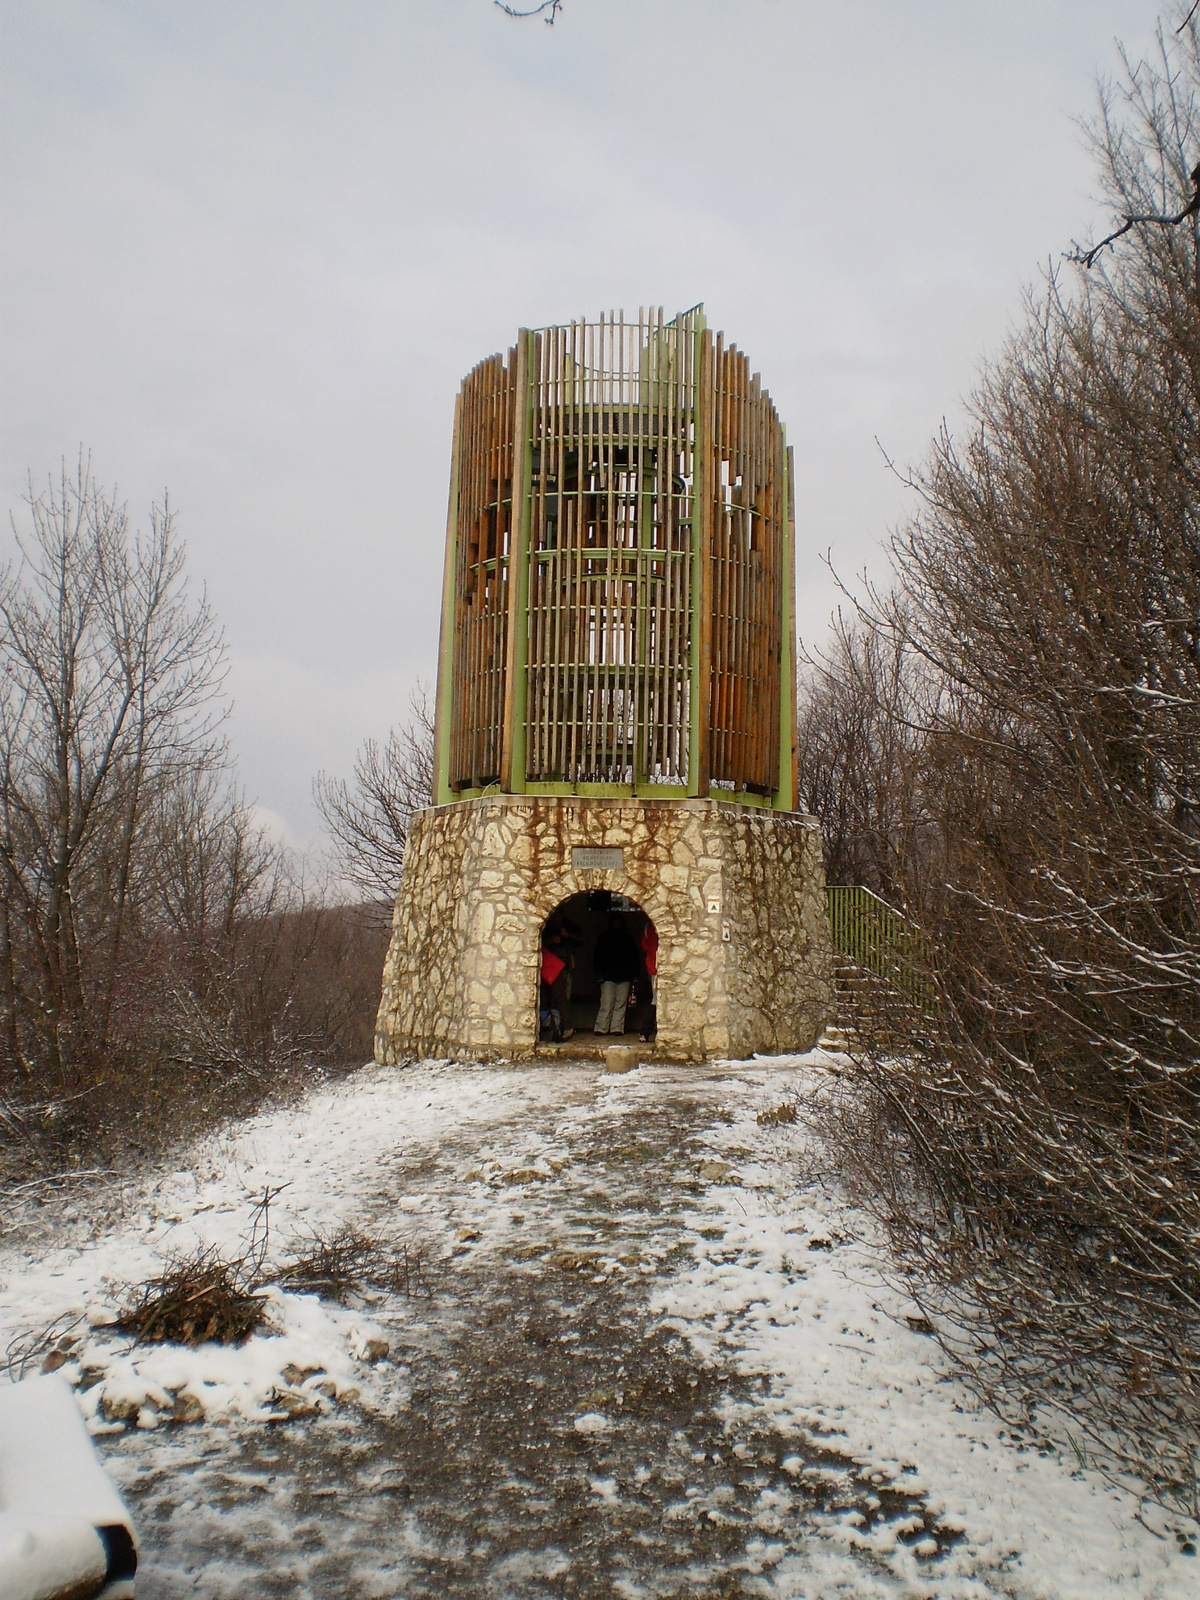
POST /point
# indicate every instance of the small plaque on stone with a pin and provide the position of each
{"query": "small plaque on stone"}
(589, 858)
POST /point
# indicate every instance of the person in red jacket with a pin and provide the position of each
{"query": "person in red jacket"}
(649, 946)
(556, 984)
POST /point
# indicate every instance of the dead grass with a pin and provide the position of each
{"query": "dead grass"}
(340, 1263)
(786, 1113)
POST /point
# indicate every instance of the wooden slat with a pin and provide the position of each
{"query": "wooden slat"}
(747, 579)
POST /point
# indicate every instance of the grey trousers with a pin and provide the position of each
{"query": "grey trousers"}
(614, 997)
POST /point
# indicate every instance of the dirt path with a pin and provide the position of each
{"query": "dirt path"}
(641, 1359)
(484, 1484)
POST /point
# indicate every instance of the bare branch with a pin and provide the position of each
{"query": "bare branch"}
(1087, 258)
(548, 9)
(369, 817)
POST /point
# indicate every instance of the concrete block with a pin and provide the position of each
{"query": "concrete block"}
(621, 1058)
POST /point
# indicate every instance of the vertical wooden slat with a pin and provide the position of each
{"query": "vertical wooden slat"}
(566, 561)
(577, 618)
(788, 686)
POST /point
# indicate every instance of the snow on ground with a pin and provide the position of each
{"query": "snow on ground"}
(323, 1156)
(647, 1359)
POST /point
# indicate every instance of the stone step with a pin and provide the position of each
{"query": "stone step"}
(870, 1013)
(587, 1046)
(837, 1039)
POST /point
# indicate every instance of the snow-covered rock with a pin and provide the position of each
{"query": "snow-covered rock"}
(64, 1529)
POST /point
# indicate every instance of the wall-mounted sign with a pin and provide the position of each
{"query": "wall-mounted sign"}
(585, 857)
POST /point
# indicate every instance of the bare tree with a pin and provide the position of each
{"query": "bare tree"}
(163, 960)
(860, 742)
(369, 817)
(110, 674)
(1148, 180)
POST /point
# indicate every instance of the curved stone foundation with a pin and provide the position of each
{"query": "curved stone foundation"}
(737, 894)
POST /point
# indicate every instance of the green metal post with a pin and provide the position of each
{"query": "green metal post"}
(785, 795)
(698, 706)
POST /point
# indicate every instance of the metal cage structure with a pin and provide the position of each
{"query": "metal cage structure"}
(619, 591)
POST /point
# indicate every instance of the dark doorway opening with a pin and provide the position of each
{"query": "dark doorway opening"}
(593, 934)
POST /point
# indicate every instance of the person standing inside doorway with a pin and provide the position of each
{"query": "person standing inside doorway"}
(649, 944)
(557, 964)
(616, 963)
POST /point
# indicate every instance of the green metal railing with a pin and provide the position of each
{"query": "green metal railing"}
(869, 932)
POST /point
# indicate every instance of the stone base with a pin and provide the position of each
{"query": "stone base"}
(736, 893)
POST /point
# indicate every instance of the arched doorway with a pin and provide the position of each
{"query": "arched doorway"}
(572, 995)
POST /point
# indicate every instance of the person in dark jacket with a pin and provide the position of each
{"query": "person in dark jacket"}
(616, 961)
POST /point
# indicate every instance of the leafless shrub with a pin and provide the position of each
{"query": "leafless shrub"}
(339, 1263)
(1053, 1328)
(1035, 1153)
(777, 1115)
(862, 714)
(45, 1348)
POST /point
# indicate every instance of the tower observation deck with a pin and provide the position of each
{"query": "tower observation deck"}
(618, 601)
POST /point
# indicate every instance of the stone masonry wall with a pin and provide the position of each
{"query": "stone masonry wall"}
(737, 895)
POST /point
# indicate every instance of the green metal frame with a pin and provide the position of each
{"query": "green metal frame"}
(785, 797)
(518, 565)
(519, 562)
(701, 488)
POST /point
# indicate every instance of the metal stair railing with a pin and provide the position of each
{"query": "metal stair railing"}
(875, 937)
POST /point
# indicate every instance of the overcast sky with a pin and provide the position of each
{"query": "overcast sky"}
(250, 247)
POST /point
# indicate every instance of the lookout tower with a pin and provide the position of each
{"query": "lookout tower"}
(616, 699)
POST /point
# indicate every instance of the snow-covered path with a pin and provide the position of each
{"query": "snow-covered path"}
(640, 1358)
